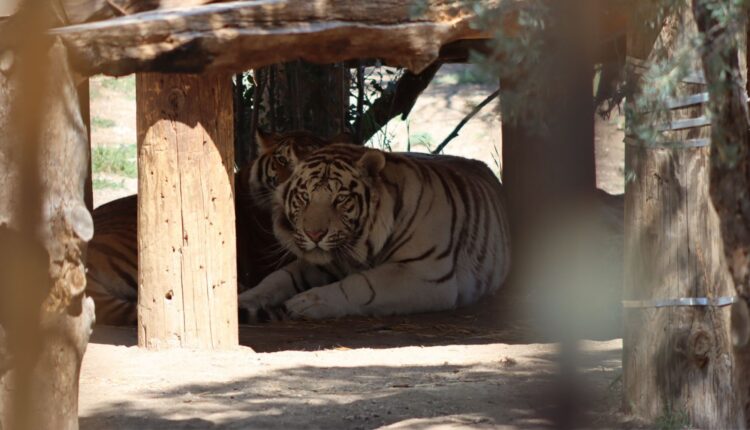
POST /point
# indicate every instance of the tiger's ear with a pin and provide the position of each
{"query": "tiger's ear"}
(264, 140)
(371, 162)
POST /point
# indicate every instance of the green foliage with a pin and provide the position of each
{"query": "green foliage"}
(119, 160)
(103, 183)
(98, 122)
(421, 138)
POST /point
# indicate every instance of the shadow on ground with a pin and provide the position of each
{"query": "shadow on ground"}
(502, 318)
(516, 395)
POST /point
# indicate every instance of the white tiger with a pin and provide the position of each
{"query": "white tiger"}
(385, 233)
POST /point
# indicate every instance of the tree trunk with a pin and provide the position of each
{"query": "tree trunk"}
(730, 171)
(677, 359)
(44, 226)
(187, 293)
(305, 96)
(299, 96)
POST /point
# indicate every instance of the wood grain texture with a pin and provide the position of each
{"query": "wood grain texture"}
(249, 34)
(187, 294)
(676, 360)
(47, 318)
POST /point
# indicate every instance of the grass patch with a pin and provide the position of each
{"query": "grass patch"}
(98, 122)
(117, 160)
(103, 183)
(420, 139)
(124, 86)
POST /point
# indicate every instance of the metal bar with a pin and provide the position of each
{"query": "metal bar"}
(691, 100)
(685, 301)
(681, 124)
(675, 144)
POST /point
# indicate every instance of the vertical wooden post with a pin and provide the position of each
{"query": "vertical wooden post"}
(677, 360)
(84, 99)
(187, 295)
(44, 227)
(548, 157)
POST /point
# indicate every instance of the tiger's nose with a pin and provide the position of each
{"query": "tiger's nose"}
(316, 235)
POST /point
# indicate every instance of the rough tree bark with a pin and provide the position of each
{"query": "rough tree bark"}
(187, 294)
(244, 35)
(730, 171)
(300, 96)
(44, 227)
(676, 359)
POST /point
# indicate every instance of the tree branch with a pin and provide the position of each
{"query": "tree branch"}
(463, 122)
(398, 101)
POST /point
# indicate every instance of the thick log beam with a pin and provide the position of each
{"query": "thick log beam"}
(241, 35)
(187, 295)
(44, 227)
(249, 34)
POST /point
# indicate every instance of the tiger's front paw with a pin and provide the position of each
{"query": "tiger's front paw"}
(253, 307)
(313, 304)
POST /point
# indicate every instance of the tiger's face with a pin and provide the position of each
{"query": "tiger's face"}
(278, 154)
(326, 208)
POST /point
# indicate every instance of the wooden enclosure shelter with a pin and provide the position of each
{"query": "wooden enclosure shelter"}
(184, 52)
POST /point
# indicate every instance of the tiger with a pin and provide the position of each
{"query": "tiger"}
(379, 233)
(112, 257)
(278, 153)
(112, 262)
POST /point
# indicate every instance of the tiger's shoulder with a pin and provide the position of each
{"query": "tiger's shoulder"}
(400, 163)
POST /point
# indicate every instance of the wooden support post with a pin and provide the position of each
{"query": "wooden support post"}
(677, 360)
(548, 125)
(84, 99)
(187, 295)
(45, 319)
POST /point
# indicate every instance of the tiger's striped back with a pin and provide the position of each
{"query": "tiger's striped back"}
(112, 260)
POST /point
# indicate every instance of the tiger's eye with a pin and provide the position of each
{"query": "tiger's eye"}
(281, 161)
(341, 199)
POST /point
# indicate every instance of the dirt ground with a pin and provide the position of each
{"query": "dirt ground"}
(486, 366)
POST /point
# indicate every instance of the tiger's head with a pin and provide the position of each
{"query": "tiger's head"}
(332, 207)
(278, 154)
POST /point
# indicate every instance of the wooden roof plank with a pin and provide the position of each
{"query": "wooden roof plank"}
(245, 34)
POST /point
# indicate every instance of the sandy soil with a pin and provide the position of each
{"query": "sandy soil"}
(487, 366)
(491, 385)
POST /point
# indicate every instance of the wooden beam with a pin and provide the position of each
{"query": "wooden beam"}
(187, 294)
(80, 11)
(249, 34)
